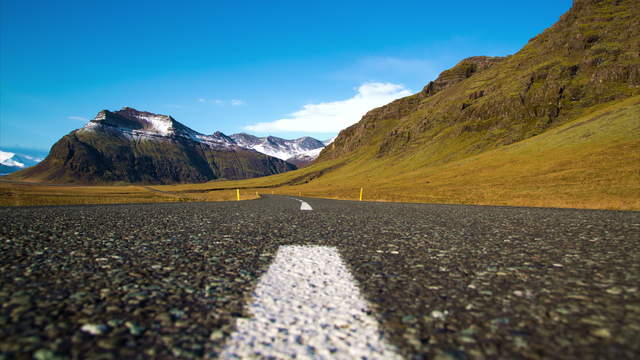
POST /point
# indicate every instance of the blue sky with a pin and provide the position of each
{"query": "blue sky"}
(287, 68)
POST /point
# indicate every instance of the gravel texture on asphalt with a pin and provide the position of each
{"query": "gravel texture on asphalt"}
(307, 305)
(444, 281)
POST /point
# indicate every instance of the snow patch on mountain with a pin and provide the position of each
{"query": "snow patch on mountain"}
(138, 125)
(305, 158)
(328, 142)
(313, 153)
(159, 125)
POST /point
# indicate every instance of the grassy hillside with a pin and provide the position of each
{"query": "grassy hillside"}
(592, 162)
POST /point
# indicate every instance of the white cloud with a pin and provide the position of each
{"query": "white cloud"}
(77, 118)
(331, 117)
(237, 102)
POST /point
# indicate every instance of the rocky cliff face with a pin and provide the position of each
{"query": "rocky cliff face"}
(140, 147)
(590, 56)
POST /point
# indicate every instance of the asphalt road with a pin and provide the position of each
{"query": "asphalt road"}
(444, 282)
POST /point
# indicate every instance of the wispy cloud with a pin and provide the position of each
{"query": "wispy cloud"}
(222, 102)
(77, 118)
(396, 69)
(396, 64)
(331, 117)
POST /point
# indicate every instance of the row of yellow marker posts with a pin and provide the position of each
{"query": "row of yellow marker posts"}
(299, 194)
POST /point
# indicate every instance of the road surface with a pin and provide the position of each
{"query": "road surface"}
(188, 280)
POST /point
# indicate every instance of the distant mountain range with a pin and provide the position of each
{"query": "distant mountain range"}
(300, 152)
(12, 160)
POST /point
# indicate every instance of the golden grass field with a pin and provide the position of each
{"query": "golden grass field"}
(592, 162)
(23, 194)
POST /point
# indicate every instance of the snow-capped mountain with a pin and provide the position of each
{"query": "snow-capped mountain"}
(141, 147)
(11, 161)
(301, 151)
(307, 157)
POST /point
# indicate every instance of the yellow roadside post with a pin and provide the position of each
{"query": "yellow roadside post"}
(361, 190)
(238, 194)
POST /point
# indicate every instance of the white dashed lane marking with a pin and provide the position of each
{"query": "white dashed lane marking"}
(307, 306)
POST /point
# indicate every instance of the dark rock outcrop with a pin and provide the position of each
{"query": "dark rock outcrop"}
(462, 71)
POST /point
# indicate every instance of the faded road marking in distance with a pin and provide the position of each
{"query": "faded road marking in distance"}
(303, 205)
(307, 306)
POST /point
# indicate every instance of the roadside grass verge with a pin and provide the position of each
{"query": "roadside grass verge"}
(21, 194)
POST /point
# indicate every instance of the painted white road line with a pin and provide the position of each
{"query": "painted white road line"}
(307, 306)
